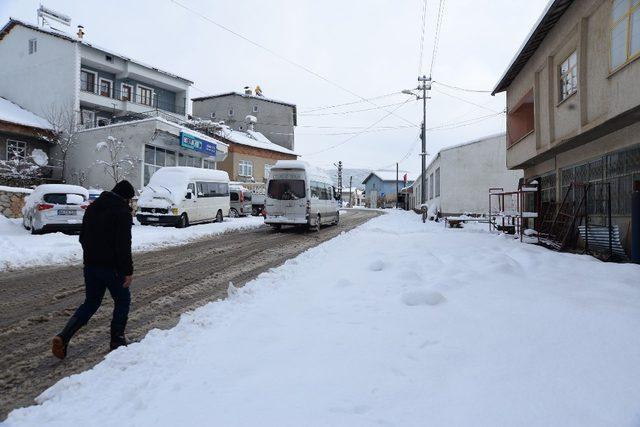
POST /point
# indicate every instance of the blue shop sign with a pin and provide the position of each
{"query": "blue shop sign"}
(196, 144)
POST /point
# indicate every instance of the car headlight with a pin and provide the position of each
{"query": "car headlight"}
(174, 211)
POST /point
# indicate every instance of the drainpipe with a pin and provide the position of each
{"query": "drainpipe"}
(635, 223)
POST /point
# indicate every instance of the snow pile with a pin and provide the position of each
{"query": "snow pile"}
(418, 325)
(19, 249)
(7, 189)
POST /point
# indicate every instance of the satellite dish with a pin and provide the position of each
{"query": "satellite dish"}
(39, 157)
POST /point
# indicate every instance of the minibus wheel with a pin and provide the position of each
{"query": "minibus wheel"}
(316, 228)
(183, 221)
(234, 213)
(219, 217)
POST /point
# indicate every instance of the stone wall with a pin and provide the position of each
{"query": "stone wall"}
(11, 203)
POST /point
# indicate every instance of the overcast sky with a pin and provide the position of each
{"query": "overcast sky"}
(368, 47)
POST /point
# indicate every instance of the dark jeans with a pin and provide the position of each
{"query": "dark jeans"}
(97, 280)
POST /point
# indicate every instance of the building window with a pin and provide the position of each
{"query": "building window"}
(569, 76)
(431, 187)
(108, 58)
(146, 95)
(88, 80)
(213, 114)
(230, 112)
(106, 88)
(16, 150)
(520, 120)
(245, 168)
(625, 32)
(438, 182)
(208, 164)
(155, 158)
(187, 160)
(255, 108)
(33, 46)
(126, 92)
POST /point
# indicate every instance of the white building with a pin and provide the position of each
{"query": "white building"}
(43, 68)
(458, 178)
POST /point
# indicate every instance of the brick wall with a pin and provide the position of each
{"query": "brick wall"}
(11, 203)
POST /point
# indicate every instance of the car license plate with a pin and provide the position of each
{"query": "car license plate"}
(66, 212)
(152, 218)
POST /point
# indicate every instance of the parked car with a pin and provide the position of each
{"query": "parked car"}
(94, 193)
(55, 207)
(240, 199)
(299, 194)
(180, 195)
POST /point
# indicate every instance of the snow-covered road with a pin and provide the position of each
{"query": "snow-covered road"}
(394, 323)
(18, 248)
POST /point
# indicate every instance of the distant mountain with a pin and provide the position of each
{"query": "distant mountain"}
(358, 176)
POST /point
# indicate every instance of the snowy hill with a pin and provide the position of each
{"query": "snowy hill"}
(358, 176)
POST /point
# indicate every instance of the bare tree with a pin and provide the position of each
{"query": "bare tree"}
(80, 176)
(65, 122)
(120, 162)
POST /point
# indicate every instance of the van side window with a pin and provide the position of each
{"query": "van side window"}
(191, 187)
(201, 189)
(315, 190)
(234, 197)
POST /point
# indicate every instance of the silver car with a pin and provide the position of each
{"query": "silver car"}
(240, 200)
(55, 207)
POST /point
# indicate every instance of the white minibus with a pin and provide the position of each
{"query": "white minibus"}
(301, 195)
(179, 196)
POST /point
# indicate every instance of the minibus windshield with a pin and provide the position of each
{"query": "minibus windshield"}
(286, 189)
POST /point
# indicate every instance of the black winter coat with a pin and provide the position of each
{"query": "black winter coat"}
(106, 234)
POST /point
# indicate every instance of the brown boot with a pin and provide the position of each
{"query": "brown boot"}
(61, 341)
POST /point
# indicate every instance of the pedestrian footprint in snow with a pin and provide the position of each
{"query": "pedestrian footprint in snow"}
(106, 246)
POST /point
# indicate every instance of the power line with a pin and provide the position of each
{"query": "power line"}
(347, 103)
(461, 88)
(352, 111)
(282, 57)
(469, 102)
(423, 28)
(359, 133)
(437, 36)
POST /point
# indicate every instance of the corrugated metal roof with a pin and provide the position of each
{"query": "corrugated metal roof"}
(552, 14)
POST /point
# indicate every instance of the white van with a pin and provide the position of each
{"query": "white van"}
(299, 194)
(179, 195)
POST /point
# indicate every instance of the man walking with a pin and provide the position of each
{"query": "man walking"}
(106, 245)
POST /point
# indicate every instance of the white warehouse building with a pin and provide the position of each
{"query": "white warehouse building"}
(459, 177)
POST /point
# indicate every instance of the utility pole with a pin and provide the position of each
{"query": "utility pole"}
(423, 186)
(340, 180)
(424, 87)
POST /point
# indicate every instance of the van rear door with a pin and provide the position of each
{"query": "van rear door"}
(287, 194)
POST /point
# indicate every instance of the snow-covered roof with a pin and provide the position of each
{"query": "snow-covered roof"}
(13, 113)
(162, 120)
(300, 164)
(389, 175)
(252, 139)
(244, 95)
(61, 34)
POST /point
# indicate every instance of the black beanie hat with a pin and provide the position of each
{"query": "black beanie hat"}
(124, 189)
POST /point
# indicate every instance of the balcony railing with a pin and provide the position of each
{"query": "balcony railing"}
(149, 99)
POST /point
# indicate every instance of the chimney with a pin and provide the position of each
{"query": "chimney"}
(247, 90)
(80, 32)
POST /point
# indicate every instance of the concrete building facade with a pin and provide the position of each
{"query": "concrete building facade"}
(458, 178)
(573, 100)
(45, 69)
(147, 145)
(275, 119)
